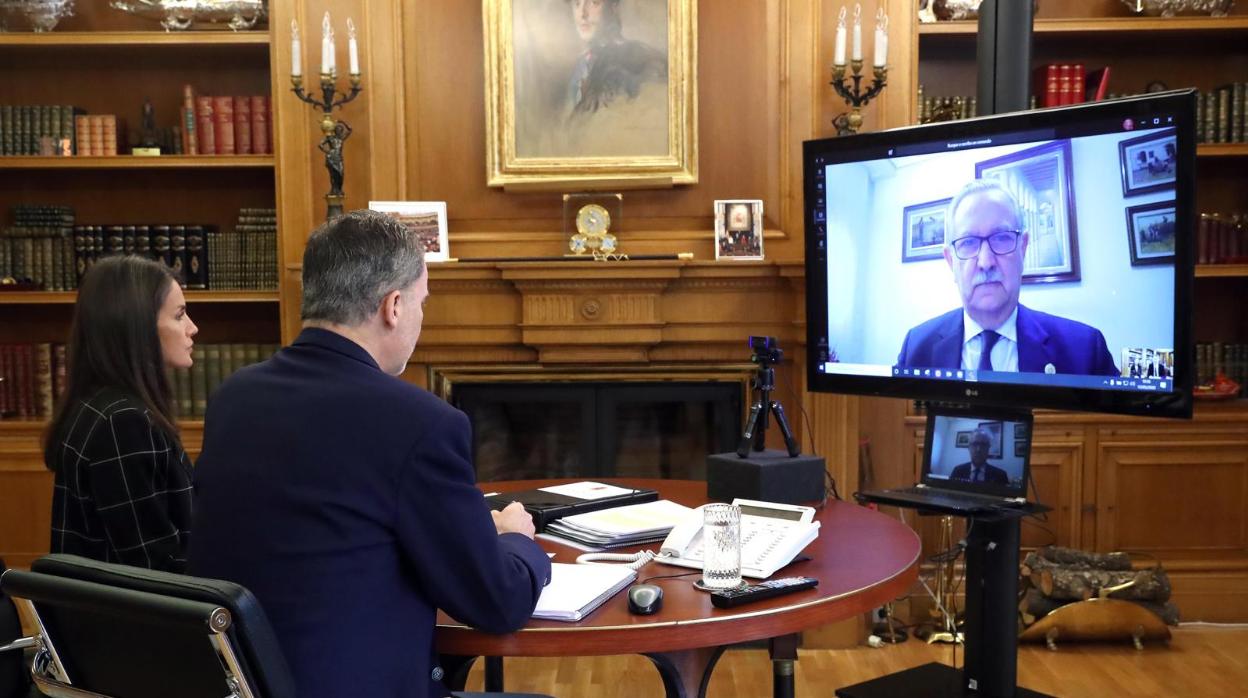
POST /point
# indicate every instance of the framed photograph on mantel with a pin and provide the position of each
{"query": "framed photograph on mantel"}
(590, 94)
(425, 218)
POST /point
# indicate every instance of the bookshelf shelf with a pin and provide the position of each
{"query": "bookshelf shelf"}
(22, 426)
(1222, 150)
(68, 297)
(1222, 271)
(134, 162)
(1124, 26)
(137, 38)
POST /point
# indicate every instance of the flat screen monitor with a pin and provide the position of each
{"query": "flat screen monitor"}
(1034, 259)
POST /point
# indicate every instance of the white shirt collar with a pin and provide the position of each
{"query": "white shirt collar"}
(1008, 329)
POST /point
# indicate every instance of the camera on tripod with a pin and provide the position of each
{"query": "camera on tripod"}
(766, 351)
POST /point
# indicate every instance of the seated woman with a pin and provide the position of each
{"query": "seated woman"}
(123, 481)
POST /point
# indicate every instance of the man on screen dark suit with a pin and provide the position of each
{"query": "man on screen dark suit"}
(343, 496)
(979, 470)
(992, 331)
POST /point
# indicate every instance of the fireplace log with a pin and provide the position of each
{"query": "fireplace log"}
(1071, 557)
(1035, 605)
(1066, 583)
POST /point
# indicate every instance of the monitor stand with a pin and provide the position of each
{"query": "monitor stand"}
(990, 630)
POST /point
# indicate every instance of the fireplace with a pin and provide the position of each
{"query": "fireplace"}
(639, 423)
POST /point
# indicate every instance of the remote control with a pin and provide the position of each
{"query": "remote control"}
(729, 598)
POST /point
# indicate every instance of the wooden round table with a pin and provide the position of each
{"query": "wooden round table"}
(861, 558)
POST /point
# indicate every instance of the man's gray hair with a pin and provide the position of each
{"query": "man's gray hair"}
(981, 434)
(352, 262)
(977, 186)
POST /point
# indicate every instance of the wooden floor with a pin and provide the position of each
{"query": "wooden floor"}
(1199, 661)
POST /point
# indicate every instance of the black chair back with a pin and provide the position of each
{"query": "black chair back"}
(117, 630)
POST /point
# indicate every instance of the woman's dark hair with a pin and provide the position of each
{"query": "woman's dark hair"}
(114, 343)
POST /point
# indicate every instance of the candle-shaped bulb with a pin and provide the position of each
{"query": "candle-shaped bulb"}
(857, 47)
(881, 40)
(327, 46)
(838, 57)
(353, 49)
(296, 51)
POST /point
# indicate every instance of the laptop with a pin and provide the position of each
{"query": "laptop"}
(975, 460)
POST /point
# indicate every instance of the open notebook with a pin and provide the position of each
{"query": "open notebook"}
(576, 590)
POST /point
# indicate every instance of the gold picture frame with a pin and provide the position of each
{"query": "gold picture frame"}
(567, 108)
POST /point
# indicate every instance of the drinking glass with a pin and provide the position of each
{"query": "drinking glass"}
(721, 546)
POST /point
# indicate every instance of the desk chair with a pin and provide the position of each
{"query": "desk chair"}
(113, 630)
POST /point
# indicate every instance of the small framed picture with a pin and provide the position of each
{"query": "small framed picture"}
(963, 440)
(1022, 430)
(1150, 232)
(427, 219)
(923, 230)
(1147, 163)
(1020, 448)
(738, 229)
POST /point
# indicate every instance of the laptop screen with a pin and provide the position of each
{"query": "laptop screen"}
(977, 450)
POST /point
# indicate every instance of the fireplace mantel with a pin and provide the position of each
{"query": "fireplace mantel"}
(631, 312)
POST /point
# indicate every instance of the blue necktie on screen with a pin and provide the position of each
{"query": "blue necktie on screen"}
(985, 354)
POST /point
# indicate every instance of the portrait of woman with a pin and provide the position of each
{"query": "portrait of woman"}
(122, 488)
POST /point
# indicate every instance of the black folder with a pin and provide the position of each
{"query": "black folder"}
(545, 507)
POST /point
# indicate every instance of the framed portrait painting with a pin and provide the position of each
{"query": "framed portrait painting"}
(738, 229)
(591, 94)
(1041, 181)
(425, 218)
(1150, 233)
(1147, 163)
(923, 230)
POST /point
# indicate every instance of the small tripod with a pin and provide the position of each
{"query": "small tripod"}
(765, 354)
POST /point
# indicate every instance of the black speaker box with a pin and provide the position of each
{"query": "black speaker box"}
(769, 476)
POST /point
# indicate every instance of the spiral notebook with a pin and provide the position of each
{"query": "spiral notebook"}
(576, 590)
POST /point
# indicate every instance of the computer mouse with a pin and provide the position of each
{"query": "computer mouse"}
(645, 599)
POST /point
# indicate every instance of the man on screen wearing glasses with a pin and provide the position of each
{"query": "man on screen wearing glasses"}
(992, 331)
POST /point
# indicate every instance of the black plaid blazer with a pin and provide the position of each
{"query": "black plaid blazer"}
(123, 486)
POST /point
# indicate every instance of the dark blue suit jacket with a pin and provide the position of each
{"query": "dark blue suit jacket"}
(344, 499)
(1071, 347)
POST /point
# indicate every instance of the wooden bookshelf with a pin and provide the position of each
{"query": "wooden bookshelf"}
(56, 39)
(69, 297)
(1121, 26)
(135, 162)
(1222, 150)
(1222, 271)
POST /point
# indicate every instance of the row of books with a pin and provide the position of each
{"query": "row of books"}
(1222, 115)
(212, 363)
(53, 253)
(216, 125)
(97, 135)
(23, 128)
(1222, 238)
(1230, 360)
(1057, 84)
(31, 376)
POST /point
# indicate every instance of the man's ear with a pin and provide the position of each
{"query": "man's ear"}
(948, 252)
(390, 309)
(1022, 244)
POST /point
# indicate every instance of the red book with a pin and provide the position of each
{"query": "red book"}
(204, 126)
(242, 125)
(223, 118)
(190, 137)
(1044, 85)
(1098, 84)
(261, 142)
(5, 380)
(1076, 83)
(25, 379)
(1064, 84)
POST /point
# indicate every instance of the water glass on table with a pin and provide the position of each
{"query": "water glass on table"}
(721, 546)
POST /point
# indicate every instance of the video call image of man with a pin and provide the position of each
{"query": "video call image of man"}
(979, 469)
(993, 331)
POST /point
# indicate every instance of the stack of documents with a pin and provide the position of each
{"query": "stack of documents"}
(620, 527)
(576, 590)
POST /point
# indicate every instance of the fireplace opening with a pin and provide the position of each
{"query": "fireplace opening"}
(544, 429)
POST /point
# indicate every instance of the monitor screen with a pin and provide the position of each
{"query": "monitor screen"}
(977, 450)
(1035, 259)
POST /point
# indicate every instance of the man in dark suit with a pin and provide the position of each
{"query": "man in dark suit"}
(344, 498)
(979, 470)
(992, 331)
